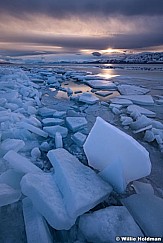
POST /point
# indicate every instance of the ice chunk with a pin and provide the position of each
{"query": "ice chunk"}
(141, 110)
(141, 124)
(36, 153)
(58, 140)
(20, 163)
(31, 110)
(36, 227)
(52, 121)
(88, 98)
(139, 99)
(79, 185)
(45, 147)
(59, 114)
(76, 123)
(79, 138)
(8, 195)
(143, 188)
(52, 130)
(120, 157)
(106, 224)
(11, 144)
(102, 84)
(147, 212)
(149, 136)
(126, 89)
(11, 178)
(47, 199)
(123, 102)
(46, 112)
(34, 129)
(126, 120)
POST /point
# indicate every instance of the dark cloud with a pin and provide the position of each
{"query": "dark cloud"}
(65, 8)
(75, 43)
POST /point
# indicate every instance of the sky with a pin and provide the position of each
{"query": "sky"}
(74, 26)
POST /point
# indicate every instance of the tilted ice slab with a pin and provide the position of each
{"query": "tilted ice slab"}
(147, 210)
(119, 157)
(139, 99)
(102, 84)
(79, 138)
(21, 164)
(143, 188)
(123, 102)
(36, 227)
(88, 98)
(76, 123)
(106, 224)
(11, 144)
(141, 110)
(11, 178)
(126, 89)
(79, 185)
(141, 124)
(47, 199)
(52, 121)
(8, 195)
(52, 130)
(33, 129)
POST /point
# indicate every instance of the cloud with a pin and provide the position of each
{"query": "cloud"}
(64, 8)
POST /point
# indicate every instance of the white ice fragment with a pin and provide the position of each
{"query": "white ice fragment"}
(52, 121)
(143, 188)
(11, 144)
(149, 136)
(8, 195)
(139, 99)
(34, 129)
(79, 185)
(88, 98)
(36, 227)
(79, 138)
(141, 124)
(58, 140)
(46, 112)
(102, 84)
(147, 211)
(21, 164)
(123, 102)
(76, 123)
(47, 199)
(106, 224)
(36, 153)
(159, 140)
(45, 147)
(126, 89)
(118, 156)
(51, 130)
(31, 110)
(141, 110)
(11, 178)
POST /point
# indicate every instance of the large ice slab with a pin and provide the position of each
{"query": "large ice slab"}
(46, 112)
(126, 89)
(8, 195)
(21, 164)
(139, 99)
(36, 227)
(47, 199)
(79, 185)
(102, 84)
(76, 123)
(123, 102)
(106, 224)
(141, 110)
(147, 212)
(118, 156)
(88, 98)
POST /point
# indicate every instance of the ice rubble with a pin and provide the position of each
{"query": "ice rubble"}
(106, 224)
(119, 158)
(76, 123)
(79, 185)
(141, 110)
(147, 212)
(36, 227)
(52, 130)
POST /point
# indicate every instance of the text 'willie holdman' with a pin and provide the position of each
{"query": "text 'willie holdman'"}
(139, 238)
